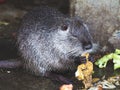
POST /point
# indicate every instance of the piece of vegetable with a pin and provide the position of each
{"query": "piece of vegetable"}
(98, 87)
(102, 62)
(84, 72)
(110, 83)
(117, 51)
(66, 87)
(3, 23)
(115, 80)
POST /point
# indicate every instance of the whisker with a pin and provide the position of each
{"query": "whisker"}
(72, 52)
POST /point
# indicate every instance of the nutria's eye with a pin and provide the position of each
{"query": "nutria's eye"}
(64, 27)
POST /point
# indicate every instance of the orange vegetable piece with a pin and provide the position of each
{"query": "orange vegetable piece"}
(66, 87)
(84, 72)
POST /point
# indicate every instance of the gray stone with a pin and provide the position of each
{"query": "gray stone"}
(102, 16)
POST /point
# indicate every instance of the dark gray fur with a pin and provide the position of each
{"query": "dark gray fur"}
(44, 44)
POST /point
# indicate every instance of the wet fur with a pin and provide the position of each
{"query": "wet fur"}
(45, 47)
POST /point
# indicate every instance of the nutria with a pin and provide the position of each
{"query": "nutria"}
(48, 41)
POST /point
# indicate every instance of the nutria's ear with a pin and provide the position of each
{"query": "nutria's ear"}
(77, 21)
(78, 18)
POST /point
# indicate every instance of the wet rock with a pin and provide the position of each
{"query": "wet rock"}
(102, 17)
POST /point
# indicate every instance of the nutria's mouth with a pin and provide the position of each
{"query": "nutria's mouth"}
(79, 60)
(82, 59)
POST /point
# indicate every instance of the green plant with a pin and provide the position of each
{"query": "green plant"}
(102, 62)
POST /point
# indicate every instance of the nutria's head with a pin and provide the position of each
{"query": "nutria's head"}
(73, 37)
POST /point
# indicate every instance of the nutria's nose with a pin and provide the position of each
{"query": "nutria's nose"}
(87, 46)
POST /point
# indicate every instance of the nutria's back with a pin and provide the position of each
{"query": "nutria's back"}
(48, 40)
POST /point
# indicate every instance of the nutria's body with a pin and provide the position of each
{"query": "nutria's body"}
(48, 40)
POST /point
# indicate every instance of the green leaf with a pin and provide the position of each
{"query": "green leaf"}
(116, 61)
(102, 62)
(117, 51)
